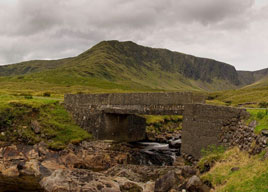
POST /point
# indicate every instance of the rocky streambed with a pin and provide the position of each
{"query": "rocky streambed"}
(95, 166)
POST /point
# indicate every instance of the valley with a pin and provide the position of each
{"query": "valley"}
(33, 119)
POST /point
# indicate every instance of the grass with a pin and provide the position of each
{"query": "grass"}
(157, 124)
(261, 116)
(247, 97)
(151, 119)
(209, 156)
(113, 66)
(252, 175)
(57, 128)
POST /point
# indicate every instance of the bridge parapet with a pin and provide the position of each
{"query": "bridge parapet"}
(176, 98)
(143, 109)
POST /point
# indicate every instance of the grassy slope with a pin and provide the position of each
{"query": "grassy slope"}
(251, 177)
(57, 128)
(241, 96)
(254, 93)
(119, 67)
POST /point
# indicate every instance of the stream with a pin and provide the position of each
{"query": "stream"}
(153, 153)
(142, 153)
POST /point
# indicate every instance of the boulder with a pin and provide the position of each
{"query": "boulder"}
(36, 127)
(175, 144)
(130, 186)
(166, 182)
(188, 171)
(11, 172)
(264, 132)
(195, 184)
(78, 180)
(235, 169)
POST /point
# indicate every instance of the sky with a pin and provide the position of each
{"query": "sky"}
(231, 31)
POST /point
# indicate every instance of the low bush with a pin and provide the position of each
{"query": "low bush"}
(47, 94)
(263, 104)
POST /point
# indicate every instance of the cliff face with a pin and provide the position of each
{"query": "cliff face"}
(251, 77)
(126, 65)
(189, 66)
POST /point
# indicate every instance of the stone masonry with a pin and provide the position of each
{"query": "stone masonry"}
(205, 125)
(116, 117)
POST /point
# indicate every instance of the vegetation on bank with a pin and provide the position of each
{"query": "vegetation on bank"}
(261, 118)
(237, 171)
(30, 120)
(157, 124)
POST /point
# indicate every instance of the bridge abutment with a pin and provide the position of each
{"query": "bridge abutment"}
(121, 127)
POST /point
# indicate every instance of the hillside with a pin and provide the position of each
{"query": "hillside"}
(251, 77)
(125, 66)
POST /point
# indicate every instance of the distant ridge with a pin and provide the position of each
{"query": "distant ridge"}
(129, 66)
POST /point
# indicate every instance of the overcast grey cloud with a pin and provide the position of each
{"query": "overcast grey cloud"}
(232, 31)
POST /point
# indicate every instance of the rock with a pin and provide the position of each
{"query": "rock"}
(129, 186)
(253, 123)
(188, 171)
(264, 132)
(265, 156)
(30, 168)
(176, 144)
(195, 184)
(149, 186)
(78, 180)
(36, 127)
(235, 169)
(166, 182)
(11, 172)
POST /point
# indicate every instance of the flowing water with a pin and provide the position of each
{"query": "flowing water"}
(153, 153)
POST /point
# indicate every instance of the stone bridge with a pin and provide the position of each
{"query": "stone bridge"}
(117, 116)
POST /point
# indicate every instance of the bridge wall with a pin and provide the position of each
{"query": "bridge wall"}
(113, 117)
(134, 99)
(97, 113)
(203, 125)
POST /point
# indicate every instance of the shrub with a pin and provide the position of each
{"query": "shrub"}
(228, 103)
(46, 94)
(28, 97)
(261, 115)
(263, 105)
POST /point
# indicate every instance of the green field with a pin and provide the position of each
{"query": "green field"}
(31, 95)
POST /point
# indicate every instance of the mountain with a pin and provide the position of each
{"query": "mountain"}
(126, 66)
(254, 78)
